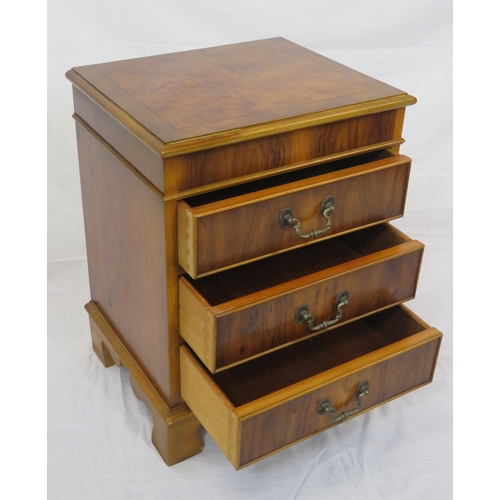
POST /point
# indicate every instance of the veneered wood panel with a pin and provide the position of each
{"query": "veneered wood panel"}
(125, 237)
(232, 235)
(298, 418)
(281, 151)
(267, 325)
(154, 130)
(229, 319)
(144, 159)
(398, 128)
(208, 91)
(274, 398)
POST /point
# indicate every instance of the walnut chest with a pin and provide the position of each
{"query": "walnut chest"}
(241, 261)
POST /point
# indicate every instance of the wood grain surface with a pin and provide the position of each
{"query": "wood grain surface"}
(297, 419)
(188, 159)
(230, 317)
(201, 92)
(231, 231)
(281, 151)
(175, 431)
(275, 397)
(126, 250)
(144, 159)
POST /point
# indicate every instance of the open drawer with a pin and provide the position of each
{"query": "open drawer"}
(225, 228)
(247, 311)
(257, 408)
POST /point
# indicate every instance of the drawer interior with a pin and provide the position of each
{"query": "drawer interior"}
(260, 275)
(262, 376)
(278, 180)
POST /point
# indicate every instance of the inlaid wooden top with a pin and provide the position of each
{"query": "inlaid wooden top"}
(181, 96)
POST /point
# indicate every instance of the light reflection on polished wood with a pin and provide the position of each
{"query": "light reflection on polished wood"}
(228, 232)
(153, 134)
(275, 397)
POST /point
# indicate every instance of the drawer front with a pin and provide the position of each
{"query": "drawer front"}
(228, 232)
(250, 411)
(299, 418)
(245, 327)
(284, 152)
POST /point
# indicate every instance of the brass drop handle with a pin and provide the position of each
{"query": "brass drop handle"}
(325, 407)
(287, 219)
(302, 314)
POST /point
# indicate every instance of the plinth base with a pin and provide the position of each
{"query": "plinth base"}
(175, 431)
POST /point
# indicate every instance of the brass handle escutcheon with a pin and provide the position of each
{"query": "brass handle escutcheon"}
(302, 314)
(287, 219)
(325, 407)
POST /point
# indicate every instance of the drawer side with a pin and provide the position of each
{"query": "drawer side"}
(210, 405)
(197, 325)
(187, 238)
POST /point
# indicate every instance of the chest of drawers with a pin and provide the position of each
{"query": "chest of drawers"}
(242, 265)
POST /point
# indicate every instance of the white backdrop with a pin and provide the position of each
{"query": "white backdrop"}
(98, 433)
